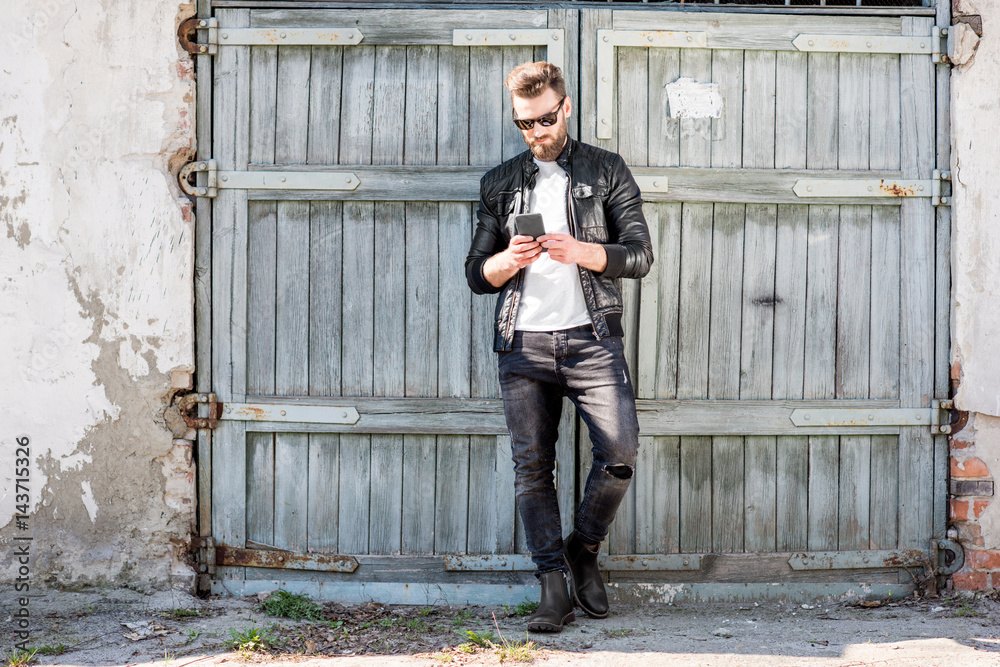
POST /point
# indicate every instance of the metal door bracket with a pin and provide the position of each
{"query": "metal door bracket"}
(188, 403)
(608, 40)
(937, 417)
(614, 563)
(857, 560)
(287, 412)
(273, 557)
(861, 187)
(935, 45)
(220, 36)
(940, 559)
(206, 555)
(552, 38)
(262, 180)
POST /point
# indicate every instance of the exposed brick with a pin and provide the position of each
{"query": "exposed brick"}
(956, 444)
(971, 487)
(971, 581)
(970, 534)
(983, 559)
(959, 510)
(973, 467)
(978, 506)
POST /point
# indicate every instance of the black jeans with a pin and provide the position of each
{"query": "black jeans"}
(541, 368)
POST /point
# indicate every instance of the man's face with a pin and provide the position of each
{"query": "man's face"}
(545, 142)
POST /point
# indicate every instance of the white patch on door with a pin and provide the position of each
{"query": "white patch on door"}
(689, 99)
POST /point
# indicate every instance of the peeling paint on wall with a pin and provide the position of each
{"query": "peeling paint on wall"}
(96, 278)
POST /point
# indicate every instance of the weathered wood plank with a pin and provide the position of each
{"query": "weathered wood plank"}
(760, 528)
(791, 237)
(325, 81)
(504, 505)
(291, 495)
(231, 104)
(727, 494)
(916, 446)
(512, 139)
(325, 297)
(633, 75)
(291, 339)
(754, 31)
(394, 26)
(358, 264)
(260, 487)
(664, 131)
(668, 271)
(591, 20)
(263, 103)
(821, 299)
(461, 183)
(726, 302)
(854, 301)
(482, 530)
(454, 318)
(485, 112)
(695, 494)
(421, 362)
(385, 528)
(324, 493)
(824, 499)
(656, 417)
(569, 21)
(262, 218)
(292, 111)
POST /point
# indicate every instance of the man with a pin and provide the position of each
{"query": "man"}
(558, 328)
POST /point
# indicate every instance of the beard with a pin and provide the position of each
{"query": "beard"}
(550, 150)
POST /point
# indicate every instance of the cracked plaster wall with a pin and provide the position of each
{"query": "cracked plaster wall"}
(96, 287)
(975, 100)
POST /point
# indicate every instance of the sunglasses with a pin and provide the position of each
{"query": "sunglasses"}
(547, 120)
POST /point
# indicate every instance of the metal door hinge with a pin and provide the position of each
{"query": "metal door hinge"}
(188, 403)
(262, 180)
(217, 36)
(551, 38)
(947, 556)
(206, 555)
(935, 44)
(861, 187)
(938, 417)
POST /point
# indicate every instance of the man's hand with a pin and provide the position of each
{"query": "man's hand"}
(501, 267)
(565, 249)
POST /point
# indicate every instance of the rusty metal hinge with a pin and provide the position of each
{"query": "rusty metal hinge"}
(947, 556)
(188, 403)
(206, 555)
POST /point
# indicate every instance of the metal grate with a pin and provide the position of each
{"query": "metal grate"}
(791, 3)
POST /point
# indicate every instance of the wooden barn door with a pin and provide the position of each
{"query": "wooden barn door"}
(361, 452)
(784, 287)
(361, 437)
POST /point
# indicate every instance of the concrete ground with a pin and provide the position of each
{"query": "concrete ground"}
(174, 629)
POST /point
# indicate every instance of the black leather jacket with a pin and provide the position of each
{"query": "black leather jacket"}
(605, 207)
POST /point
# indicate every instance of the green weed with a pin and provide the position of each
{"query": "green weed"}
(19, 658)
(49, 649)
(967, 611)
(293, 606)
(251, 640)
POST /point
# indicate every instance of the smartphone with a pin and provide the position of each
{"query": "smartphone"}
(530, 224)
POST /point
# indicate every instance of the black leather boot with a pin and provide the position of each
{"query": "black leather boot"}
(554, 608)
(587, 585)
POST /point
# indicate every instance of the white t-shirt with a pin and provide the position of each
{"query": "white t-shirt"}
(551, 297)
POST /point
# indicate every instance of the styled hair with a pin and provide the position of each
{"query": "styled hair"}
(529, 80)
